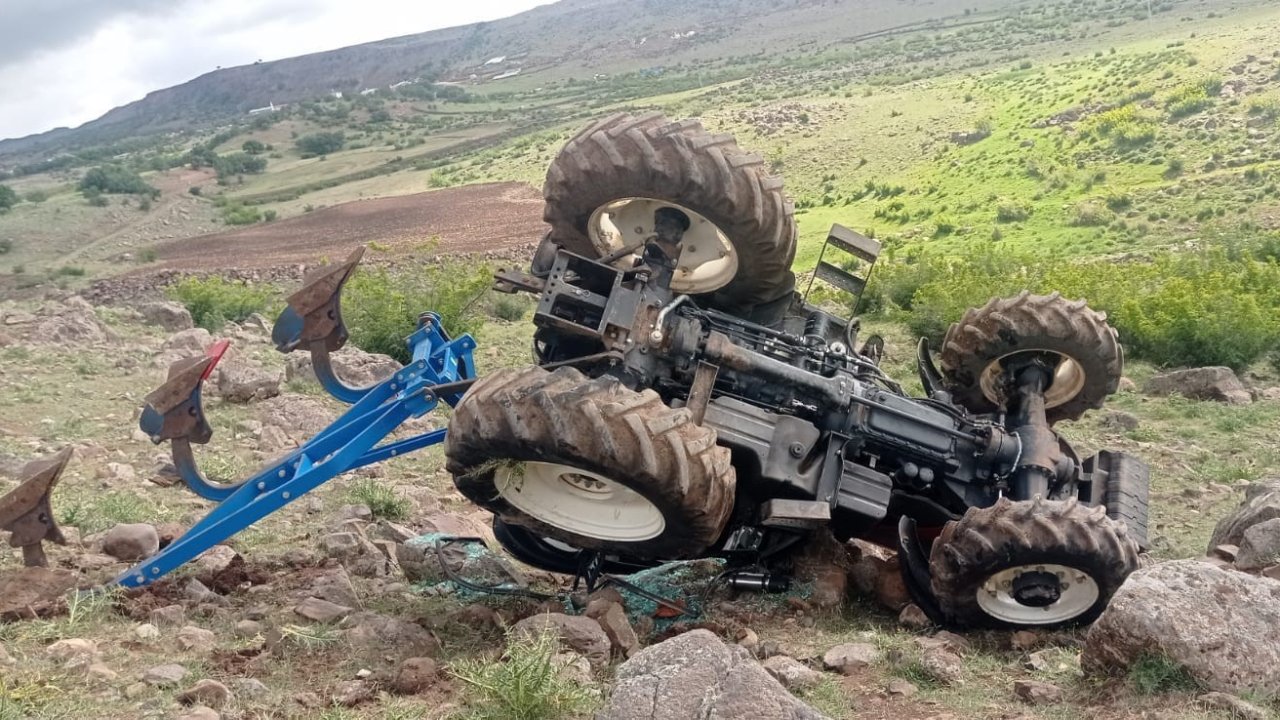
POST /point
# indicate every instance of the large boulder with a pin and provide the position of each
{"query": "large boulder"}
(1261, 503)
(353, 365)
(577, 633)
(1218, 384)
(1220, 625)
(73, 328)
(189, 342)
(1260, 547)
(697, 676)
(170, 316)
(239, 382)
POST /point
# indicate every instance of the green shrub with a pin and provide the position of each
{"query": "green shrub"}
(1007, 212)
(6, 246)
(525, 684)
(239, 164)
(320, 143)
(215, 301)
(36, 196)
(1192, 98)
(1090, 214)
(1268, 108)
(1126, 126)
(8, 198)
(1216, 307)
(115, 179)
(237, 213)
(382, 309)
(509, 307)
(70, 271)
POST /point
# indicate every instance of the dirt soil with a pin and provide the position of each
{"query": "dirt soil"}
(467, 220)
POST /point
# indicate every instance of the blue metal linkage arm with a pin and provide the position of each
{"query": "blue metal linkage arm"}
(348, 443)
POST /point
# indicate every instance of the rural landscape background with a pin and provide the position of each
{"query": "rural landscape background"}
(1124, 151)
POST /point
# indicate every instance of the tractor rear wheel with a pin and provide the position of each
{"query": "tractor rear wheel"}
(590, 463)
(552, 555)
(1088, 360)
(1031, 563)
(606, 183)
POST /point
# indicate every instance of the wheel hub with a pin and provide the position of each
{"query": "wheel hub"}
(1037, 594)
(1068, 376)
(579, 501)
(707, 259)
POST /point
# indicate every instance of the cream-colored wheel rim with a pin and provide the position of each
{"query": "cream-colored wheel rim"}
(579, 501)
(1068, 379)
(1078, 592)
(707, 260)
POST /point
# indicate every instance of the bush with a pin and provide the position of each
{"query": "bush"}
(1007, 212)
(525, 684)
(239, 164)
(509, 307)
(36, 196)
(214, 301)
(6, 246)
(253, 147)
(1126, 126)
(115, 179)
(320, 143)
(1090, 214)
(8, 198)
(382, 309)
(237, 213)
(1151, 674)
(1216, 307)
(1192, 98)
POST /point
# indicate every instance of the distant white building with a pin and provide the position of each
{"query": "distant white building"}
(401, 84)
(336, 94)
(368, 91)
(271, 107)
(496, 60)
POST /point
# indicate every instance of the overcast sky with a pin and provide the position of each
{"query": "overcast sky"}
(65, 62)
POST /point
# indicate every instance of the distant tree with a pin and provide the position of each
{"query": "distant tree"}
(239, 164)
(253, 147)
(320, 143)
(8, 198)
(115, 179)
(201, 156)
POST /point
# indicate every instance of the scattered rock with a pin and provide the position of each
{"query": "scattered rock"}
(415, 675)
(250, 687)
(213, 561)
(350, 693)
(1034, 692)
(697, 676)
(1235, 707)
(849, 658)
(613, 620)
(1120, 420)
(248, 629)
(200, 712)
(321, 611)
(72, 650)
(162, 675)
(147, 631)
(341, 545)
(1037, 661)
(169, 615)
(168, 315)
(793, 674)
(353, 365)
(748, 639)
(242, 383)
(206, 692)
(189, 342)
(273, 439)
(27, 592)
(197, 593)
(1218, 384)
(824, 564)
(914, 618)
(76, 328)
(101, 672)
(1216, 623)
(874, 571)
(1024, 640)
(372, 632)
(1127, 385)
(196, 639)
(898, 687)
(117, 473)
(580, 634)
(1260, 547)
(1261, 503)
(131, 542)
(944, 667)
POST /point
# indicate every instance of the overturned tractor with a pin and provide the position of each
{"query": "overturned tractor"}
(685, 401)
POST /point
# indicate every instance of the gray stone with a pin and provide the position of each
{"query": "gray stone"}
(1218, 624)
(1120, 420)
(415, 675)
(350, 693)
(335, 586)
(196, 639)
(321, 611)
(131, 542)
(248, 628)
(613, 620)
(696, 676)
(74, 328)
(242, 383)
(914, 618)
(250, 687)
(1218, 384)
(1261, 503)
(793, 674)
(117, 473)
(353, 365)
(200, 712)
(898, 687)
(943, 666)
(341, 545)
(168, 315)
(161, 675)
(169, 615)
(1260, 547)
(147, 631)
(189, 342)
(1034, 692)
(206, 692)
(374, 633)
(848, 658)
(580, 634)
(72, 650)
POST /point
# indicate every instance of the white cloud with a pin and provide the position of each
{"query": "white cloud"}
(74, 73)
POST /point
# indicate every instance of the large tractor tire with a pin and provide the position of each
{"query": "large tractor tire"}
(552, 555)
(1030, 564)
(590, 463)
(1089, 358)
(606, 183)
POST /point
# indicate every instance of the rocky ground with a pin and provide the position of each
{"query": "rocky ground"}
(336, 607)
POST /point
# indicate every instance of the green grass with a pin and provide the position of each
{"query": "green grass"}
(525, 684)
(381, 500)
(1152, 674)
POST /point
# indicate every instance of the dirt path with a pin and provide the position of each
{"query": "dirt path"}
(471, 219)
